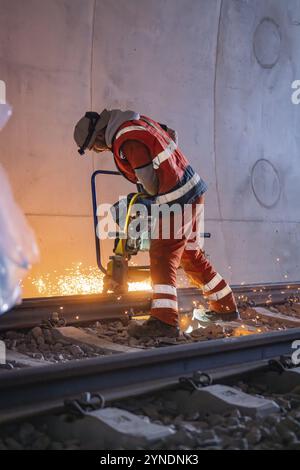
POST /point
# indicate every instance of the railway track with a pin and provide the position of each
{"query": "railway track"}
(43, 389)
(60, 329)
(79, 309)
(122, 375)
(189, 386)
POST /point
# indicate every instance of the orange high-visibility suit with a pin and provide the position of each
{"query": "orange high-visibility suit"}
(142, 145)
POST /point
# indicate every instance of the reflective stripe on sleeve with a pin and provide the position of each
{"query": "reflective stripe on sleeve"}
(164, 155)
(129, 129)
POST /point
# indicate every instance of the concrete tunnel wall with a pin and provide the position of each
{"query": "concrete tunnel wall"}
(220, 72)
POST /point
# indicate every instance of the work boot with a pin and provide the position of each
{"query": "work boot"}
(153, 328)
(217, 316)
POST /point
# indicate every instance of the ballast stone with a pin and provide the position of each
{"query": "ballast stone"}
(221, 398)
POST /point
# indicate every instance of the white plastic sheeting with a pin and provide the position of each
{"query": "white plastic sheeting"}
(18, 249)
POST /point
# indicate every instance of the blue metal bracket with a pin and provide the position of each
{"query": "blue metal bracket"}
(95, 217)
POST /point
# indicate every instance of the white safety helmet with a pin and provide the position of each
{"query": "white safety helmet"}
(88, 127)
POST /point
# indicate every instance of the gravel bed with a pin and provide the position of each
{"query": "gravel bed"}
(46, 344)
(30, 436)
(197, 431)
(291, 309)
(251, 317)
(117, 333)
(43, 342)
(228, 431)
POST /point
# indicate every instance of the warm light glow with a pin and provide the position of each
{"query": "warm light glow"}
(75, 280)
(184, 322)
(141, 285)
(188, 323)
(242, 331)
(78, 280)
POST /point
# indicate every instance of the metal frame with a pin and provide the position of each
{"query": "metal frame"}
(95, 219)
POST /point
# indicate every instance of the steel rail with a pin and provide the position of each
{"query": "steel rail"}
(78, 309)
(221, 375)
(52, 383)
(75, 309)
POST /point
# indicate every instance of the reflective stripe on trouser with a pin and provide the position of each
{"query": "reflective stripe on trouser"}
(166, 255)
(163, 301)
(164, 261)
(215, 289)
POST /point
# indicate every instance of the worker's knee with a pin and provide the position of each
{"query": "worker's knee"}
(191, 256)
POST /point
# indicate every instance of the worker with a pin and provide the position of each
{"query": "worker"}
(146, 152)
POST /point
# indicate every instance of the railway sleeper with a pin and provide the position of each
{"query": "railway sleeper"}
(220, 398)
(109, 428)
(276, 381)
